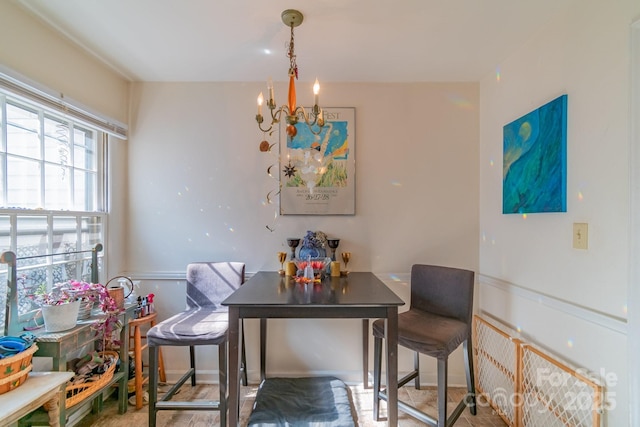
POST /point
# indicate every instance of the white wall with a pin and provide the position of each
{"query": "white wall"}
(197, 187)
(634, 288)
(573, 302)
(34, 51)
(197, 184)
(193, 184)
(37, 52)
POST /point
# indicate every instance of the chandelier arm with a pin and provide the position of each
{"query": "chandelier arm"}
(275, 117)
(317, 118)
(260, 125)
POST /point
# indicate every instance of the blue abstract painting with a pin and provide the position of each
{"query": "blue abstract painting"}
(534, 173)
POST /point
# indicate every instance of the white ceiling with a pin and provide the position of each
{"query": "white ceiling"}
(339, 40)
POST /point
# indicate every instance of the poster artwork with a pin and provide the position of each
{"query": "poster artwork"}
(317, 172)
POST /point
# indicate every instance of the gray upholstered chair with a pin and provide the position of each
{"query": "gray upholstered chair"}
(204, 322)
(438, 320)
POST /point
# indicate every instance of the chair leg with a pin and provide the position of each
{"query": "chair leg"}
(192, 362)
(442, 392)
(137, 351)
(153, 384)
(377, 372)
(163, 376)
(243, 358)
(416, 367)
(471, 386)
(222, 380)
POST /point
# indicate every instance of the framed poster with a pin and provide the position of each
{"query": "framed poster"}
(317, 173)
(535, 161)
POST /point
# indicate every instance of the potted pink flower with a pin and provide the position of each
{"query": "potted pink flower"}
(61, 305)
(107, 325)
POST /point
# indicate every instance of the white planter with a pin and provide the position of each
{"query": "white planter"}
(60, 317)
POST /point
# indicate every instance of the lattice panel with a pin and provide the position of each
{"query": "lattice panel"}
(556, 395)
(528, 387)
(496, 368)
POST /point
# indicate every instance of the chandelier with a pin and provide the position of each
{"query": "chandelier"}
(314, 119)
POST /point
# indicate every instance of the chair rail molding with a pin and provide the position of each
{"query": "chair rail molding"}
(393, 280)
(616, 324)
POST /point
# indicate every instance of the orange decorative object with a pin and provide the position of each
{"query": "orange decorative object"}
(316, 265)
(292, 94)
(305, 280)
(292, 131)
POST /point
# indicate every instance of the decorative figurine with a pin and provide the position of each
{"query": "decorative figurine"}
(346, 257)
(313, 245)
(333, 245)
(293, 244)
(282, 257)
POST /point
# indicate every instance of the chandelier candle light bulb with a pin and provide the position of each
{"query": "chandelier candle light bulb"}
(270, 90)
(260, 102)
(316, 91)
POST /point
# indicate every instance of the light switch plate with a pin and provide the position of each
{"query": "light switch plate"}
(580, 235)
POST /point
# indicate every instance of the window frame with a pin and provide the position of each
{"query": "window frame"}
(43, 115)
(49, 257)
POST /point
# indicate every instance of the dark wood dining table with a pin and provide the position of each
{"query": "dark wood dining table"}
(267, 294)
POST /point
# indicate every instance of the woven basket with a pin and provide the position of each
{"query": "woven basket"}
(76, 393)
(84, 312)
(14, 370)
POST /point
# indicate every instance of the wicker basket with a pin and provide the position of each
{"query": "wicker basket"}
(76, 393)
(14, 370)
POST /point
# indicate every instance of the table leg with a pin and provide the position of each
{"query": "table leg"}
(60, 364)
(52, 406)
(234, 366)
(365, 353)
(263, 349)
(391, 332)
(243, 356)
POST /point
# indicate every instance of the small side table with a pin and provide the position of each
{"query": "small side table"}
(135, 334)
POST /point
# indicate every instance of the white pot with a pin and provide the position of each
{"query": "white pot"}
(60, 317)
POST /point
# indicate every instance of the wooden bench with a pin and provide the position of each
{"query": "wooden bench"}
(40, 389)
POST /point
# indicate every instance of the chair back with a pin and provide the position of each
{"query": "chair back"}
(444, 291)
(210, 283)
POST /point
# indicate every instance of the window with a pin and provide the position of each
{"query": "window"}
(47, 162)
(51, 197)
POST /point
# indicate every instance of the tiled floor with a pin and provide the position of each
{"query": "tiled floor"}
(362, 401)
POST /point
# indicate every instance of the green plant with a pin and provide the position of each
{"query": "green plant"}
(57, 296)
(108, 324)
(73, 290)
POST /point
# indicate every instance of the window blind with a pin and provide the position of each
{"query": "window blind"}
(20, 87)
